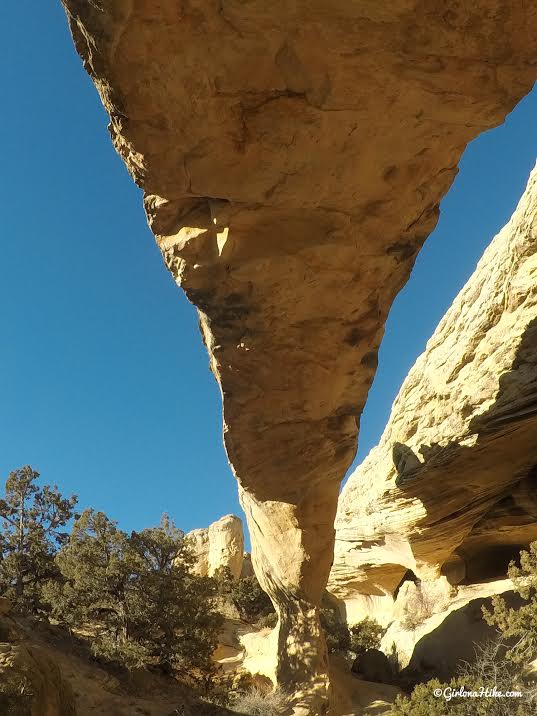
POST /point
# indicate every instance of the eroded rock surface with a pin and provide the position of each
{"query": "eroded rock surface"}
(221, 545)
(293, 156)
(451, 485)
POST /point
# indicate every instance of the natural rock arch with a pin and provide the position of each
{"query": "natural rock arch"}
(293, 156)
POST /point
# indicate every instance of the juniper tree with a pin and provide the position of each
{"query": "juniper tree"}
(138, 595)
(251, 602)
(32, 519)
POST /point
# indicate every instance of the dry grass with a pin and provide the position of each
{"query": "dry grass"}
(420, 606)
(258, 702)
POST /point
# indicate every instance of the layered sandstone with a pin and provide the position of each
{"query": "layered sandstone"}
(293, 156)
(219, 546)
(451, 486)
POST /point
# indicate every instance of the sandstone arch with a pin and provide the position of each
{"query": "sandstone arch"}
(293, 156)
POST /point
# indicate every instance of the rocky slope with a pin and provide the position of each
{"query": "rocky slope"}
(58, 677)
(451, 486)
(292, 157)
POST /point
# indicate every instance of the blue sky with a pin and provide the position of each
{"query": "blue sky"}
(104, 382)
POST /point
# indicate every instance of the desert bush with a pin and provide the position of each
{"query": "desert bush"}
(423, 702)
(267, 621)
(358, 639)
(490, 669)
(421, 605)
(365, 635)
(258, 702)
(336, 632)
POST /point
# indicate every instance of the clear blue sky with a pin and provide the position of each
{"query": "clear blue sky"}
(104, 382)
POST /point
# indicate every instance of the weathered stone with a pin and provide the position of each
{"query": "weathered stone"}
(293, 156)
(454, 569)
(467, 412)
(221, 545)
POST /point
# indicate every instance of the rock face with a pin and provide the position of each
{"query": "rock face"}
(451, 485)
(221, 545)
(293, 156)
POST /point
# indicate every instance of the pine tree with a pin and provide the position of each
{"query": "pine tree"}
(31, 518)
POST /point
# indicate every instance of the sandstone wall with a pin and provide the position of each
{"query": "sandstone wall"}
(293, 156)
(451, 485)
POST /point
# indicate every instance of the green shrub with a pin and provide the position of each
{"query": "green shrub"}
(490, 669)
(359, 638)
(423, 702)
(139, 595)
(365, 635)
(336, 632)
(267, 621)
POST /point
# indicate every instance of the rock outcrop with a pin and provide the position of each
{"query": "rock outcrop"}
(451, 486)
(221, 545)
(292, 157)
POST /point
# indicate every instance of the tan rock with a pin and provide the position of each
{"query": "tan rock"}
(293, 156)
(199, 542)
(447, 472)
(221, 545)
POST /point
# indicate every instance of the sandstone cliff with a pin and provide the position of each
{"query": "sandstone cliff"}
(451, 486)
(221, 545)
(293, 156)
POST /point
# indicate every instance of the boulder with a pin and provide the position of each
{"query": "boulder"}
(373, 665)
